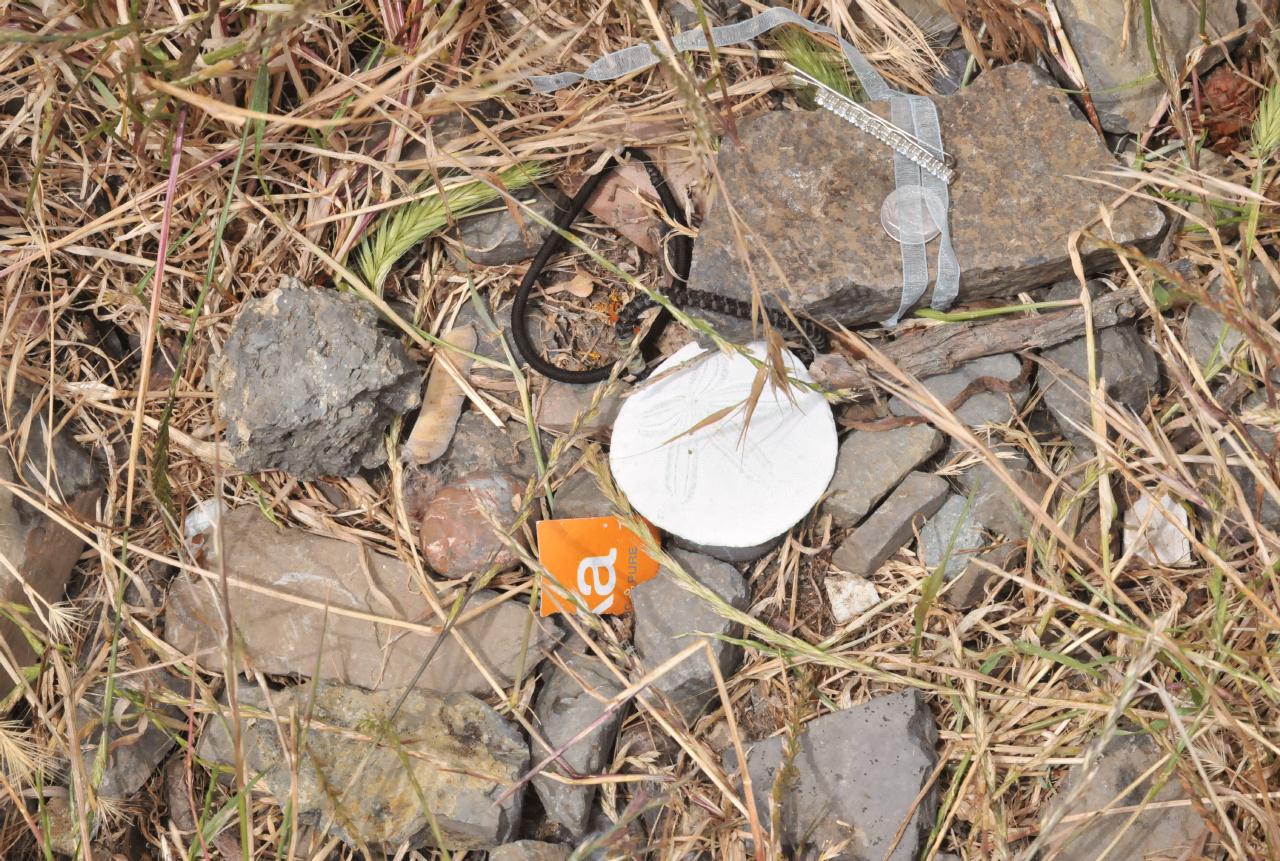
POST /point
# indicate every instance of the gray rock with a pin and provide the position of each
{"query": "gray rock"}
(450, 753)
(1012, 129)
(266, 567)
(307, 383)
(496, 238)
(1209, 338)
(1124, 362)
(1160, 833)
(489, 340)
(685, 16)
(890, 528)
(1264, 507)
(142, 729)
(563, 404)
(1219, 212)
(530, 850)
(872, 463)
(994, 505)
(665, 614)
(732, 555)
(465, 525)
(955, 528)
(1117, 62)
(448, 132)
(479, 444)
(571, 699)
(956, 61)
(932, 17)
(990, 407)
(857, 775)
(580, 496)
(38, 547)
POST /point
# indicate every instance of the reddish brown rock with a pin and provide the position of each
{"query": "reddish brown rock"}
(465, 525)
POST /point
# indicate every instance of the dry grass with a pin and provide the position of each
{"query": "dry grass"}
(165, 162)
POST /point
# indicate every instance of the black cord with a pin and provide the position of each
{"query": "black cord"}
(680, 248)
(520, 305)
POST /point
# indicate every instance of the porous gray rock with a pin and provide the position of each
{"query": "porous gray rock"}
(889, 529)
(955, 535)
(1111, 45)
(497, 238)
(987, 407)
(857, 775)
(807, 192)
(871, 464)
(141, 729)
(572, 699)
(562, 405)
(366, 775)
(50, 466)
(1083, 831)
(531, 850)
(288, 590)
(307, 383)
(467, 524)
(1123, 360)
(666, 614)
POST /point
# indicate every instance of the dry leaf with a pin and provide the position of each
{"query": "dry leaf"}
(580, 285)
(627, 202)
(441, 402)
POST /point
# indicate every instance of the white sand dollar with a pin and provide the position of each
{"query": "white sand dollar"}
(720, 486)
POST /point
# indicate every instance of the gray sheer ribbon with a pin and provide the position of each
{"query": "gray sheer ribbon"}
(914, 114)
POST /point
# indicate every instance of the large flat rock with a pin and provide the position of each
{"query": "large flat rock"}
(276, 577)
(807, 187)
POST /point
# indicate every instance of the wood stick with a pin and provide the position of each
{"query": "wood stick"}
(940, 349)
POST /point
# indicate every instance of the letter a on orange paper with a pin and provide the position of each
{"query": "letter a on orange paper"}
(596, 560)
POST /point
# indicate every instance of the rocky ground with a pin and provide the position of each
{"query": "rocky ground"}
(272, 472)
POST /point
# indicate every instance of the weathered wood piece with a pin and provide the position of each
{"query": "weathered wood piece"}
(806, 189)
(941, 349)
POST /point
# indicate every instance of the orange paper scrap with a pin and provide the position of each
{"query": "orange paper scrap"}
(597, 560)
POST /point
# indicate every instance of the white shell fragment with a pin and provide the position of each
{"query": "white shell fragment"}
(718, 485)
(1155, 531)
